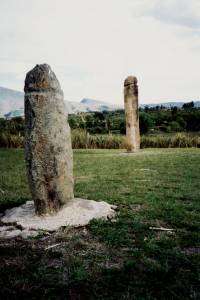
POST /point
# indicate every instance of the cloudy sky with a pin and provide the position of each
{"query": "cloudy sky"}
(93, 45)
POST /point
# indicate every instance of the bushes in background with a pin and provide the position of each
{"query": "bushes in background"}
(105, 130)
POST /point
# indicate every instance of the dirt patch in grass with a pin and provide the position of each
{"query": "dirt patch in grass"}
(61, 260)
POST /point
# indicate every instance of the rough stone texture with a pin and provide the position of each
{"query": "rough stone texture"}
(132, 114)
(77, 212)
(48, 150)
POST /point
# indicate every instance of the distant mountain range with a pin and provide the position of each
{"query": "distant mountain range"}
(10, 100)
(170, 104)
(12, 104)
(88, 105)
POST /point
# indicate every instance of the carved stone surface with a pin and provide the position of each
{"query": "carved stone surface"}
(131, 114)
(48, 150)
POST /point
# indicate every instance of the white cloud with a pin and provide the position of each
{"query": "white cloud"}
(93, 45)
(180, 12)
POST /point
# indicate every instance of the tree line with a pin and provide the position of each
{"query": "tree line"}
(157, 119)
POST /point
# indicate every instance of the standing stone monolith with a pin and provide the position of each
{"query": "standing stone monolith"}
(48, 149)
(131, 114)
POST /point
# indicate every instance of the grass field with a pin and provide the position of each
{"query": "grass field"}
(115, 259)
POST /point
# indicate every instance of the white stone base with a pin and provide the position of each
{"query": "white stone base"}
(9, 232)
(78, 212)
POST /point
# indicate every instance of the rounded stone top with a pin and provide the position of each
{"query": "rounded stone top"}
(41, 78)
(130, 80)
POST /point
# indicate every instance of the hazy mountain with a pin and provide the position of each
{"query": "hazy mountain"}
(14, 113)
(10, 100)
(88, 105)
(73, 107)
(171, 104)
(12, 104)
(94, 105)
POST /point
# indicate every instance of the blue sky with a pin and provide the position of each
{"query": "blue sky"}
(93, 45)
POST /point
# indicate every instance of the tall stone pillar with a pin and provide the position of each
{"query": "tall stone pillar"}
(131, 114)
(48, 150)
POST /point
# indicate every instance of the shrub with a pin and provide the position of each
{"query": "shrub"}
(146, 122)
(175, 126)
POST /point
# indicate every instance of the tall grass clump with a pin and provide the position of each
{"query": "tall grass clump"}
(81, 139)
(8, 140)
(179, 140)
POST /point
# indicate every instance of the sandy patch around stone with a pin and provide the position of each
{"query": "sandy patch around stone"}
(77, 212)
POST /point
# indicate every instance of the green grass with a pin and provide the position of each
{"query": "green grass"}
(121, 259)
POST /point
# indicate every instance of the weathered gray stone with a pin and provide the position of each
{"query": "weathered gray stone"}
(132, 114)
(48, 150)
